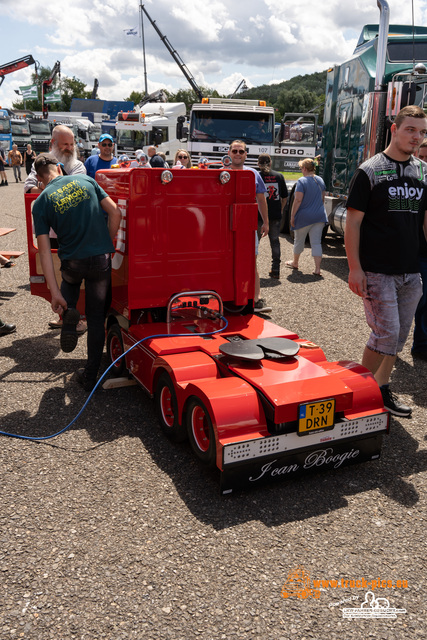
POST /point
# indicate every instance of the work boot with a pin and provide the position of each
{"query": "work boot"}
(392, 403)
(6, 184)
(5, 329)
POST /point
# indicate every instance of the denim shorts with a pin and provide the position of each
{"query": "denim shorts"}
(390, 305)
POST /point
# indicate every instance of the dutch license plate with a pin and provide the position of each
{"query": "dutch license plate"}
(316, 416)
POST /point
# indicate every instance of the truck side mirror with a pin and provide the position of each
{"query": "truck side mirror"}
(158, 137)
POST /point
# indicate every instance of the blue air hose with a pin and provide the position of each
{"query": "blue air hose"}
(160, 335)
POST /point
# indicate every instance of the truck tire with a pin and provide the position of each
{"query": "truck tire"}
(167, 409)
(200, 432)
(114, 350)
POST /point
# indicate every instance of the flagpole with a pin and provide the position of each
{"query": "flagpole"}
(143, 47)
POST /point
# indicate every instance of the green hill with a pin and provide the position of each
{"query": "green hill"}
(301, 93)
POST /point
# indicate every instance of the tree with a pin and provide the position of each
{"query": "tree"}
(71, 88)
(297, 101)
(190, 97)
(135, 97)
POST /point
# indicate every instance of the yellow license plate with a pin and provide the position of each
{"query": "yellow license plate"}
(316, 416)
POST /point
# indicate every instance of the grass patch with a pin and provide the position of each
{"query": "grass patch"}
(291, 175)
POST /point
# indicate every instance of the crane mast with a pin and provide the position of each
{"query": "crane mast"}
(175, 55)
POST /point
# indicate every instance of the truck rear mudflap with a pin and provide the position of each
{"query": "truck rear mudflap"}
(277, 463)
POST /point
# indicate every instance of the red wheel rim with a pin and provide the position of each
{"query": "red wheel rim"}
(166, 406)
(115, 350)
(200, 428)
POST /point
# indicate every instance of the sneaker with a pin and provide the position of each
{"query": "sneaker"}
(87, 383)
(68, 339)
(261, 307)
(393, 405)
(275, 275)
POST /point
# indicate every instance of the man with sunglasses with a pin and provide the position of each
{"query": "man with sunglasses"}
(104, 159)
(238, 154)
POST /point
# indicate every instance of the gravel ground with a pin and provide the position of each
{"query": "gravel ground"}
(110, 531)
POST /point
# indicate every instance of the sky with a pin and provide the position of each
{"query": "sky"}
(220, 42)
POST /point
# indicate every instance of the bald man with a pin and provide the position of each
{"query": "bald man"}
(63, 146)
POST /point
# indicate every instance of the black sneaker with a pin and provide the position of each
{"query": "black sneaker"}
(69, 336)
(275, 275)
(87, 383)
(393, 405)
(261, 307)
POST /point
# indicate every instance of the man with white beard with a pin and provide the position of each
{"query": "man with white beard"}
(63, 147)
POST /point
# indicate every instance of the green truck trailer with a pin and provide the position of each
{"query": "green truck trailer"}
(363, 95)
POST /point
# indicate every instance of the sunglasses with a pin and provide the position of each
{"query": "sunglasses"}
(183, 157)
(106, 144)
(240, 151)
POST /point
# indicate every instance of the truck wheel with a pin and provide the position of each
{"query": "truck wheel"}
(200, 432)
(114, 350)
(167, 409)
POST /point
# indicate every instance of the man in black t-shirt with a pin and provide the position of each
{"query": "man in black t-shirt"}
(277, 194)
(385, 217)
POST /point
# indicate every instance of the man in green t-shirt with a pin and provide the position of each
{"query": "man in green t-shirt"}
(73, 206)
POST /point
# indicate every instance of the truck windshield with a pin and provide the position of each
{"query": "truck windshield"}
(40, 126)
(20, 129)
(95, 132)
(299, 130)
(407, 51)
(226, 126)
(4, 125)
(132, 138)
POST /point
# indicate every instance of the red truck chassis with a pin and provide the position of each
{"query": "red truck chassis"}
(254, 399)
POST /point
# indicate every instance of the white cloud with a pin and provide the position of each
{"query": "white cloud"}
(219, 41)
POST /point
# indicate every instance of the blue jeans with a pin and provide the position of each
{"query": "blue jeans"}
(96, 272)
(273, 236)
(420, 331)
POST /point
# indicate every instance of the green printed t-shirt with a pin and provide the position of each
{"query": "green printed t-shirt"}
(71, 206)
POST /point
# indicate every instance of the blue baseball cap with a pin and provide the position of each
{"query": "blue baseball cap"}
(105, 136)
